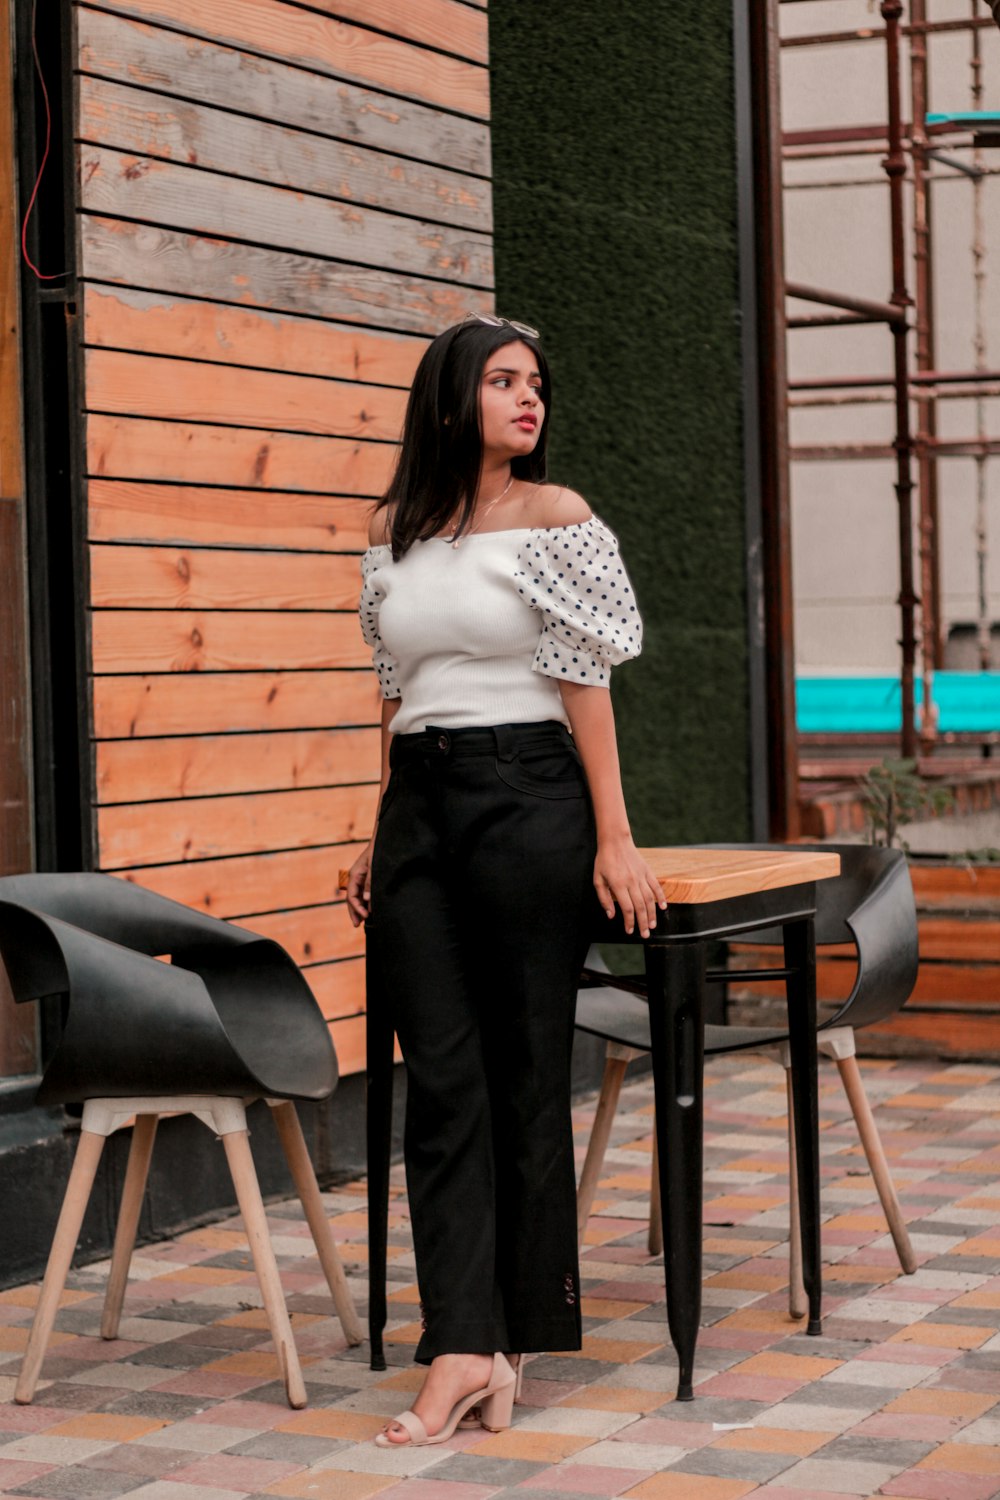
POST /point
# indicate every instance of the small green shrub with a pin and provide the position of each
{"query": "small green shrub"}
(894, 792)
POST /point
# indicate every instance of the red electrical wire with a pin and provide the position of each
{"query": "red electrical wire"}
(42, 275)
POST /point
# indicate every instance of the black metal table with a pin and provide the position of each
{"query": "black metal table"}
(698, 915)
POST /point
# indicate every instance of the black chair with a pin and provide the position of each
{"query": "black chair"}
(869, 906)
(168, 1011)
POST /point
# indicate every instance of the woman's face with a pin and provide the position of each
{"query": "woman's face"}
(511, 411)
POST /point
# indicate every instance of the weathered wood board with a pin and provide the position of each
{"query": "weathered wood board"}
(324, 45)
(137, 121)
(133, 511)
(161, 323)
(162, 258)
(171, 62)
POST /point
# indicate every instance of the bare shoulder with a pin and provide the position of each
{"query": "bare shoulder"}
(555, 505)
(378, 527)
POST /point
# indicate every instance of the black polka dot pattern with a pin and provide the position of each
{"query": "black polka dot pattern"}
(575, 577)
(372, 595)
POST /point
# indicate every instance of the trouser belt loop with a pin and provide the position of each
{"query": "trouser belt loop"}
(506, 746)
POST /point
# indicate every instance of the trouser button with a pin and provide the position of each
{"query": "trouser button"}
(442, 742)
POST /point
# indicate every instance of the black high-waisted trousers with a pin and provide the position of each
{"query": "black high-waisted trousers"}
(481, 905)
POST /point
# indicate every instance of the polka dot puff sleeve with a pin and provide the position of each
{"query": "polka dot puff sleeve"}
(372, 594)
(575, 577)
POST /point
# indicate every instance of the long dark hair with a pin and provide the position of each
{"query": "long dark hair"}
(441, 456)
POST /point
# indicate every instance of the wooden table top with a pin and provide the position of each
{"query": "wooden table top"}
(689, 874)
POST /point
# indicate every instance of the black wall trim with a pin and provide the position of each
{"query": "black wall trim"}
(53, 443)
(748, 228)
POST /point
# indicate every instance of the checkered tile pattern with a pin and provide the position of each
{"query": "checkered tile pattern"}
(900, 1396)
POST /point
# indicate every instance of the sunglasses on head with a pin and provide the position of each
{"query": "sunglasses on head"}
(494, 322)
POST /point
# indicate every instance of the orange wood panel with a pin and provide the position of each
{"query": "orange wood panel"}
(312, 934)
(190, 703)
(941, 937)
(942, 1036)
(246, 884)
(143, 187)
(209, 827)
(132, 511)
(143, 385)
(693, 874)
(162, 323)
(126, 577)
(451, 26)
(133, 448)
(240, 640)
(209, 764)
(329, 46)
(339, 988)
(973, 888)
(348, 1038)
(166, 259)
(172, 63)
(960, 984)
(268, 150)
(964, 984)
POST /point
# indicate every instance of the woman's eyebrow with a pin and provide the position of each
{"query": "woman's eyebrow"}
(502, 370)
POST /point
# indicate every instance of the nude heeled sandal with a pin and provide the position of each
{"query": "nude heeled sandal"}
(495, 1402)
(472, 1419)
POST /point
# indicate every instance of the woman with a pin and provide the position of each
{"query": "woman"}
(495, 605)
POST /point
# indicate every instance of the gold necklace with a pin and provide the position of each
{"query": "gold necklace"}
(485, 511)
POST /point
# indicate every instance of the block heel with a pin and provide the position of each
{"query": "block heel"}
(497, 1409)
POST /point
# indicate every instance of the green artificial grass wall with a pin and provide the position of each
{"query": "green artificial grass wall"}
(615, 231)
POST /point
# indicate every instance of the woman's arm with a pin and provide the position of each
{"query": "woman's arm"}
(359, 887)
(620, 872)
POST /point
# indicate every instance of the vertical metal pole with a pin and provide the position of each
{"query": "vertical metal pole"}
(783, 759)
(983, 623)
(894, 164)
(926, 397)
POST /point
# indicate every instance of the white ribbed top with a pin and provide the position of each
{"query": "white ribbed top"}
(482, 633)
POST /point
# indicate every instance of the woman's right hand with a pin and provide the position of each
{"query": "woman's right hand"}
(359, 887)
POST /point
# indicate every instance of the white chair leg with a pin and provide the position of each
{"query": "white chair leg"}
(289, 1129)
(798, 1304)
(871, 1141)
(74, 1206)
(617, 1059)
(237, 1145)
(136, 1173)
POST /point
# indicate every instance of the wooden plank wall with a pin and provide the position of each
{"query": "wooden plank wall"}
(277, 206)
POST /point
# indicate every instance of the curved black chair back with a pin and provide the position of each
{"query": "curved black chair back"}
(869, 905)
(229, 1014)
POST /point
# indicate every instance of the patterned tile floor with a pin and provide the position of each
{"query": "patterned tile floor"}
(900, 1396)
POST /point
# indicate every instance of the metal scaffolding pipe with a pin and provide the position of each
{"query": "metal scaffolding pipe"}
(895, 170)
(879, 312)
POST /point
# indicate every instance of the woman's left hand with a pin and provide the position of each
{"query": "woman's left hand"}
(622, 875)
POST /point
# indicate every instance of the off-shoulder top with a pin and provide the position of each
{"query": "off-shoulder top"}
(484, 632)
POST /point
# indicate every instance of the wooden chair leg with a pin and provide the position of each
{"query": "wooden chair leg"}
(655, 1241)
(289, 1129)
(871, 1141)
(140, 1153)
(798, 1304)
(237, 1144)
(616, 1061)
(74, 1205)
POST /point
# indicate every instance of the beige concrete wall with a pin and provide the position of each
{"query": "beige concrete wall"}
(844, 517)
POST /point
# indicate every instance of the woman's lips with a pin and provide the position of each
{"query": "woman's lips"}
(528, 423)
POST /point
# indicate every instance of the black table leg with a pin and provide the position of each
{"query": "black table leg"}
(675, 975)
(800, 956)
(378, 1108)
